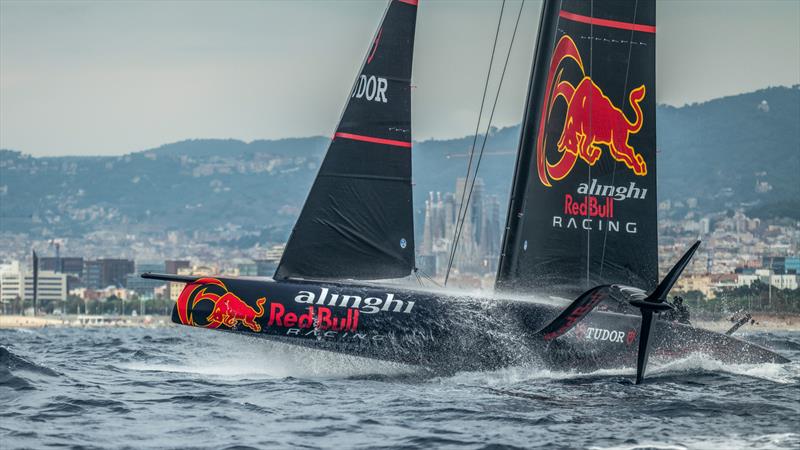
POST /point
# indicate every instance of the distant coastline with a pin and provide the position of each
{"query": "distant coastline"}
(83, 321)
(763, 322)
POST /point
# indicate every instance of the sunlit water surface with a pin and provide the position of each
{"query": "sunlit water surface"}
(190, 388)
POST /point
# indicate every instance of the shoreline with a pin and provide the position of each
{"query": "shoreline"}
(764, 322)
(83, 321)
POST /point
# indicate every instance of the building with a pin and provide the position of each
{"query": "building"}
(692, 282)
(52, 287)
(175, 289)
(266, 267)
(478, 247)
(784, 280)
(16, 283)
(275, 253)
(92, 275)
(143, 287)
(746, 277)
(10, 282)
(71, 265)
(174, 265)
(781, 264)
(247, 269)
(102, 273)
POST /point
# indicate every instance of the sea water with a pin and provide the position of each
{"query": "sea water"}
(179, 387)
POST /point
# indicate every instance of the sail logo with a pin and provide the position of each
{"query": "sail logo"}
(591, 120)
(207, 303)
(616, 192)
(588, 207)
(372, 88)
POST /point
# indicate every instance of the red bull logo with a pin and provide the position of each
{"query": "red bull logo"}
(320, 318)
(226, 308)
(591, 121)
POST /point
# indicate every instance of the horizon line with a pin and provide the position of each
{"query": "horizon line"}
(314, 136)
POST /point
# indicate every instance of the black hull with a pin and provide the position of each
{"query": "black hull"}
(441, 332)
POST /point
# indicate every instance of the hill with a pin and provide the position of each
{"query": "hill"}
(740, 150)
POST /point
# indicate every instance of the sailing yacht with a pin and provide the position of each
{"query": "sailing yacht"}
(581, 222)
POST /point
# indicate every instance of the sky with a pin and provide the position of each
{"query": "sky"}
(108, 78)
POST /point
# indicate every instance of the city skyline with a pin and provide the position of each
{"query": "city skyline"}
(738, 251)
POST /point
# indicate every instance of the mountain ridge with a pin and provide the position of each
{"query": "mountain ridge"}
(727, 152)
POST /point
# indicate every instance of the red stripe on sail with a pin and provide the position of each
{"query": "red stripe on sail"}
(607, 23)
(374, 140)
(410, 2)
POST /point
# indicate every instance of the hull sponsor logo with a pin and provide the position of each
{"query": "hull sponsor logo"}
(630, 337)
(226, 308)
(591, 120)
(338, 336)
(320, 317)
(366, 305)
(601, 334)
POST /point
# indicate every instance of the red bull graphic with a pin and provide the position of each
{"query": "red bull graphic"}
(228, 309)
(375, 45)
(591, 120)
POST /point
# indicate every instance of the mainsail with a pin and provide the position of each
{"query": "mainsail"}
(583, 202)
(357, 222)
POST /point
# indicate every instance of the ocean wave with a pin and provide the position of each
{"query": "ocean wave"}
(16, 371)
(220, 390)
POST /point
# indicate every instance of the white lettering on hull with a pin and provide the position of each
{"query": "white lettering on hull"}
(369, 305)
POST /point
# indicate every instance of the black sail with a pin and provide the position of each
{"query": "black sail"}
(357, 221)
(583, 202)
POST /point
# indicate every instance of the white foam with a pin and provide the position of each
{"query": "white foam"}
(239, 357)
(24, 330)
(697, 362)
(520, 374)
(778, 373)
(763, 442)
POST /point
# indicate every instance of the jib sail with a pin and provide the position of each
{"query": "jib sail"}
(357, 221)
(583, 202)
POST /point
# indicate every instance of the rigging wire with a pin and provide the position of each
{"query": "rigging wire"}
(483, 146)
(451, 257)
(420, 274)
(622, 102)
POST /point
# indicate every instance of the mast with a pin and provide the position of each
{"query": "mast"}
(357, 221)
(583, 205)
(511, 236)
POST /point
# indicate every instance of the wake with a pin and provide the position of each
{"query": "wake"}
(245, 358)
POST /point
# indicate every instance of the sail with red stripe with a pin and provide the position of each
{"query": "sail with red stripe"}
(357, 221)
(583, 200)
